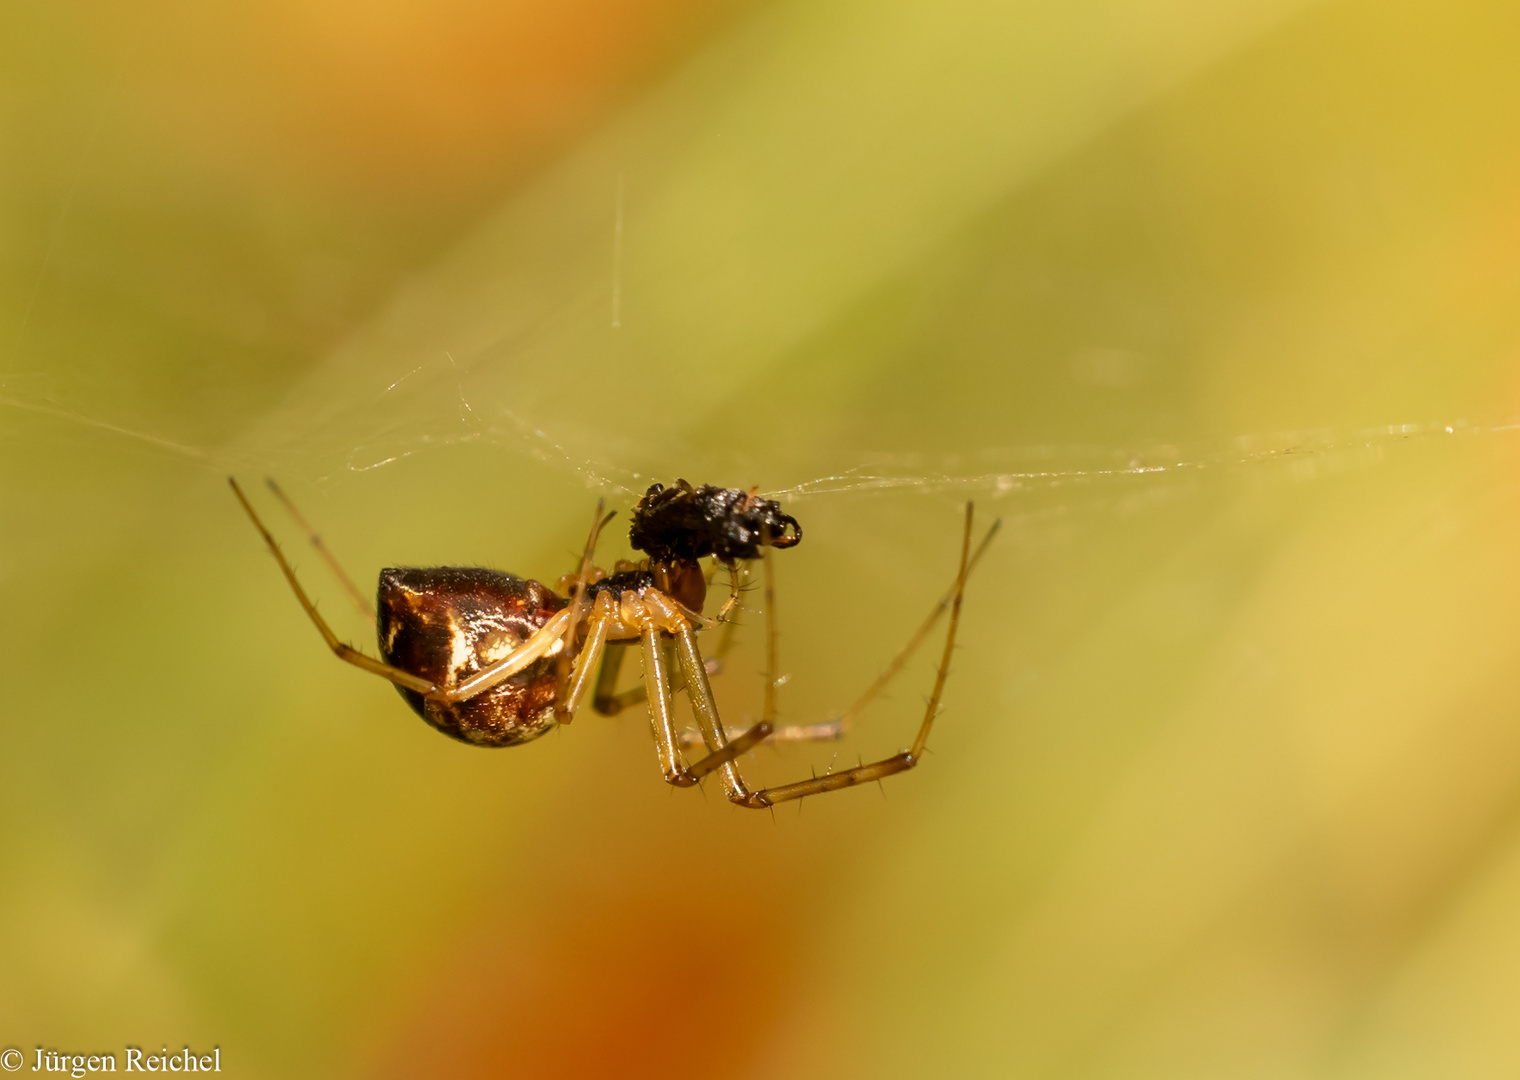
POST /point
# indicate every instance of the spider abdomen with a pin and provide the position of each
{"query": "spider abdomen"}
(446, 623)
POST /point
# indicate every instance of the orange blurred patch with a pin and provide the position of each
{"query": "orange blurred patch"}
(389, 93)
(622, 987)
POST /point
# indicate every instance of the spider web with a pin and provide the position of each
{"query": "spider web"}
(1019, 321)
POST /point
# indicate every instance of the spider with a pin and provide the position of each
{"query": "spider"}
(493, 659)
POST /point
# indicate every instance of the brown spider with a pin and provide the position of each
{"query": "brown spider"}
(495, 660)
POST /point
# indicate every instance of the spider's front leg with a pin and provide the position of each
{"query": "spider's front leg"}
(548, 640)
(907, 759)
(557, 637)
(651, 614)
(598, 624)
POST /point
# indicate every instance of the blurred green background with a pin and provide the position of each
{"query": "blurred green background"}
(1217, 306)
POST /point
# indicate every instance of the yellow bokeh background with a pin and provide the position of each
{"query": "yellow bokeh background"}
(1217, 307)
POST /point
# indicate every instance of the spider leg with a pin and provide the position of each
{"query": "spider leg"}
(359, 599)
(725, 642)
(721, 752)
(652, 613)
(342, 651)
(768, 712)
(657, 679)
(605, 699)
(846, 718)
(828, 729)
(824, 731)
(907, 759)
(562, 710)
(545, 641)
(714, 663)
(602, 613)
(609, 701)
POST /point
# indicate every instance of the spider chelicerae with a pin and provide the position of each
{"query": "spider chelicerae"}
(493, 659)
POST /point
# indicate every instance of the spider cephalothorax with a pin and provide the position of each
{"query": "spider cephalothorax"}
(685, 523)
(496, 660)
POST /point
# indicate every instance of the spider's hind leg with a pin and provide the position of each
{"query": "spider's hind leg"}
(340, 649)
(363, 603)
